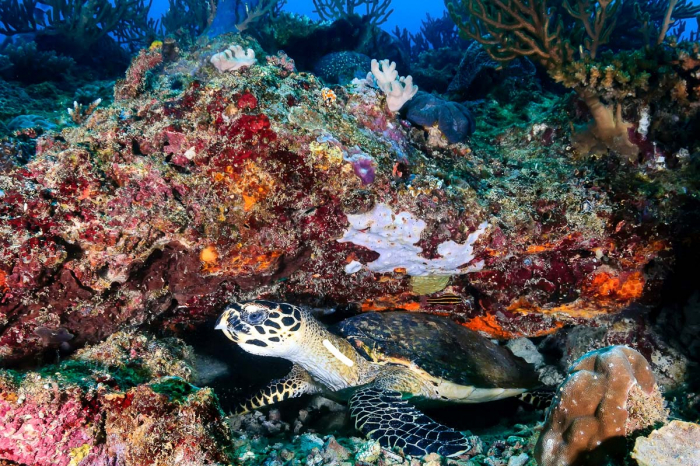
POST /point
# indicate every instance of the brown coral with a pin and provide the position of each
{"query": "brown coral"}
(609, 393)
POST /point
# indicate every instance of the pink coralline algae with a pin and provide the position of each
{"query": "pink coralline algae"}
(127, 399)
(43, 434)
(197, 188)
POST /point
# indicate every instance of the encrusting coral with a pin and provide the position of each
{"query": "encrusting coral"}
(609, 394)
(677, 443)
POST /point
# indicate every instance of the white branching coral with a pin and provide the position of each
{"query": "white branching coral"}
(394, 237)
(80, 113)
(398, 90)
(233, 58)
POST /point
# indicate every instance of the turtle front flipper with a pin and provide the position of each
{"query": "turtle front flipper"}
(382, 414)
(295, 384)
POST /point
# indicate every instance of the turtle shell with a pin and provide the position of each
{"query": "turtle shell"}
(439, 346)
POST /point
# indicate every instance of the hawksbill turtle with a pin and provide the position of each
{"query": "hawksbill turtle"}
(377, 361)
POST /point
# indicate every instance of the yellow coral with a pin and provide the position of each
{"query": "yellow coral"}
(326, 154)
(78, 454)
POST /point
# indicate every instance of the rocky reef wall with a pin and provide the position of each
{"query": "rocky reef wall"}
(196, 187)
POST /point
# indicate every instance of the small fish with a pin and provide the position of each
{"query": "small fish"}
(448, 299)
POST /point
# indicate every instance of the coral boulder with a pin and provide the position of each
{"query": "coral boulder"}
(609, 394)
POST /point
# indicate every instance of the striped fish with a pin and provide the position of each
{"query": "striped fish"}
(447, 299)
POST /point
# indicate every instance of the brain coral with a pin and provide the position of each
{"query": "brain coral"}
(454, 119)
(608, 394)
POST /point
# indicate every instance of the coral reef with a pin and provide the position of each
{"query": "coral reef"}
(128, 399)
(656, 73)
(609, 394)
(675, 443)
(195, 187)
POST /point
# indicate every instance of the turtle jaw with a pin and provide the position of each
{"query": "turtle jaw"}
(230, 324)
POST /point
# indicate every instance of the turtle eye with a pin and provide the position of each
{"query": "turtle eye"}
(256, 317)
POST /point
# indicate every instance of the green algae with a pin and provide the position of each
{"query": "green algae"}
(175, 388)
(85, 375)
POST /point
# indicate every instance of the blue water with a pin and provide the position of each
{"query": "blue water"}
(407, 13)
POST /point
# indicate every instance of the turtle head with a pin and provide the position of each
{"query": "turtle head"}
(263, 327)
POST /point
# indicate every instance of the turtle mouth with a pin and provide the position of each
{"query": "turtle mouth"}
(232, 325)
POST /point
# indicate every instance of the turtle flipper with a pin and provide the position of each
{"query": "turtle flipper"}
(383, 415)
(295, 384)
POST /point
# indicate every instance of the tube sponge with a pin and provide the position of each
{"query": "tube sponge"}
(608, 394)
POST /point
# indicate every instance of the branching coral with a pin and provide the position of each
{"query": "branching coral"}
(609, 394)
(374, 10)
(188, 17)
(80, 23)
(80, 113)
(567, 39)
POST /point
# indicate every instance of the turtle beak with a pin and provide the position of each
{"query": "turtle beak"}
(222, 323)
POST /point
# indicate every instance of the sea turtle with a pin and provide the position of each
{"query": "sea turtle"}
(377, 361)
